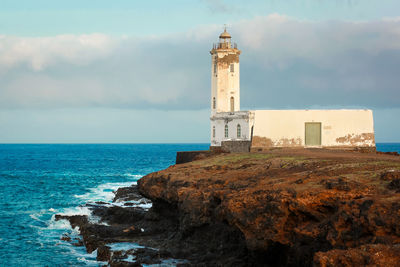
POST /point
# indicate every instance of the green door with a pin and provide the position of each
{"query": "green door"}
(313, 133)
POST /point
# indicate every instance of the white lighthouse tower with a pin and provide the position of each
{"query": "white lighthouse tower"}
(228, 123)
(225, 75)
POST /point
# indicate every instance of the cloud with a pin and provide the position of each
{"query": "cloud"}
(307, 63)
(285, 62)
(41, 52)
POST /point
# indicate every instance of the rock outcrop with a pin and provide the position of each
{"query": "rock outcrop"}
(293, 208)
(281, 208)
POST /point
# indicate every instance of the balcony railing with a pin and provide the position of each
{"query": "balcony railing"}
(226, 45)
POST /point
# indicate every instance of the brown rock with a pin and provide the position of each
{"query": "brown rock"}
(367, 255)
(65, 238)
(103, 253)
(286, 203)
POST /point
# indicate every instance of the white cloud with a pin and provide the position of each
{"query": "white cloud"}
(42, 52)
(285, 63)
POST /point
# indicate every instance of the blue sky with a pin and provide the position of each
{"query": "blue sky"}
(49, 17)
(138, 71)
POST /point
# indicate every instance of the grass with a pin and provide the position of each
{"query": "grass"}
(230, 159)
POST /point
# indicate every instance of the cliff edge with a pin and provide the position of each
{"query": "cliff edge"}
(287, 207)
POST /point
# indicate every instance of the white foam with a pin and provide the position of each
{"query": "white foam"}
(90, 259)
(147, 205)
(137, 176)
(106, 193)
(103, 192)
(130, 258)
(60, 224)
(36, 215)
(83, 211)
(76, 211)
(124, 246)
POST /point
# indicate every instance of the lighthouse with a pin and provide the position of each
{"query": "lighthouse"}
(225, 75)
(228, 123)
(236, 130)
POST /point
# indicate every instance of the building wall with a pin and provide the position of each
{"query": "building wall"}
(232, 120)
(224, 83)
(339, 128)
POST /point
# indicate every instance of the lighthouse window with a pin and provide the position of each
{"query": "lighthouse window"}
(232, 104)
(213, 132)
(226, 131)
(232, 67)
(239, 131)
(215, 68)
(214, 103)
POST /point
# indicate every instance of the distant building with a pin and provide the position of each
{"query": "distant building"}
(256, 130)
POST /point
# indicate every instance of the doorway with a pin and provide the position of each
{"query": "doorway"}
(313, 134)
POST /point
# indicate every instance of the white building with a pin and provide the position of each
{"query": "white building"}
(265, 129)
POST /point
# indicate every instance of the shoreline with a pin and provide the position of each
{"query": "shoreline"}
(213, 211)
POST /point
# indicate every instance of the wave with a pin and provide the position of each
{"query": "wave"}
(103, 192)
(124, 246)
(89, 259)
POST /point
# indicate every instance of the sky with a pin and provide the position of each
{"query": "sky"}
(128, 71)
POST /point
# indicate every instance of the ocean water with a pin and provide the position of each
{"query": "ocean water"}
(39, 181)
(388, 147)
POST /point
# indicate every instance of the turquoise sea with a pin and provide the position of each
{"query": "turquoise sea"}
(39, 181)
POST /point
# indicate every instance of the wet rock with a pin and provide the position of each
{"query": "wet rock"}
(74, 220)
(125, 264)
(127, 194)
(65, 238)
(78, 242)
(119, 215)
(103, 253)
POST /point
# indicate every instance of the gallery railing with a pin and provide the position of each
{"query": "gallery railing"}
(226, 45)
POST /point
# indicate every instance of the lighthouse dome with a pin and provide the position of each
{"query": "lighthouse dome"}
(225, 35)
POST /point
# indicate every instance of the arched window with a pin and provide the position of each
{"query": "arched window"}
(232, 68)
(214, 103)
(226, 131)
(239, 131)
(232, 104)
(213, 131)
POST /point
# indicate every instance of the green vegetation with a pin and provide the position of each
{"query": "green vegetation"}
(234, 158)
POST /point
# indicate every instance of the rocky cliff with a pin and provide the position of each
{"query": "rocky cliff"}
(288, 207)
(281, 208)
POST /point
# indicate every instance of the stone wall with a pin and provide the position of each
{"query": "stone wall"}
(188, 156)
(235, 146)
